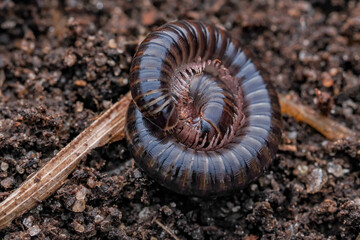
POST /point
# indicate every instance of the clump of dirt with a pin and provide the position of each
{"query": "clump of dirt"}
(62, 64)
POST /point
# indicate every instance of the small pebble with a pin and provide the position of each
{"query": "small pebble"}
(111, 63)
(70, 59)
(149, 17)
(254, 187)
(326, 79)
(8, 182)
(91, 183)
(8, 24)
(137, 174)
(80, 83)
(112, 43)
(336, 170)
(114, 212)
(89, 45)
(333, 72)
(230, 205)
(27, 46)
(90, 76)
(4, 166)
(78, 227)
(145, 214)
(123, 81)
(316, 180)
(98, 219)
(32, 155)
(19, 169)
(116, 71)
(34, 230)
(292, 135)
(106, 104)
(79, 206)
(166, 210)
(79, 106)
(28, 222)
(81, 194)
(249, 205)
(100, 59)
(302, 170)
(236, 209)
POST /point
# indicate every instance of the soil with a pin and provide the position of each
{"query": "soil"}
(62, 64)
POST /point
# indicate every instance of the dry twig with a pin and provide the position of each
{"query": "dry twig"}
(327, 127)
(166, 229)
(108, 127)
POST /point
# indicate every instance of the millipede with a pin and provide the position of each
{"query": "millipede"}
(203, 119)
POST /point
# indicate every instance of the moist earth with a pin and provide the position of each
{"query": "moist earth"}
(63, 63)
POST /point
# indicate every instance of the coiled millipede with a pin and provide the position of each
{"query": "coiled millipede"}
(203, 121)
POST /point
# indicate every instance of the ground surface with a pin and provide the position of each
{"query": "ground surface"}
(63, 64)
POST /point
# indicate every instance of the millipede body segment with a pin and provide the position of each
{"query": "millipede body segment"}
(203, 120)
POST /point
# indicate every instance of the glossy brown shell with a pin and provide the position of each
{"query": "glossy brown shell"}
(151, 115)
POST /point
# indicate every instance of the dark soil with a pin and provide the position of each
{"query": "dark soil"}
(62, 64)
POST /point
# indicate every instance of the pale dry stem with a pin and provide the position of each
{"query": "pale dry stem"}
(107, 128)
(323, 124)
(166, 229)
